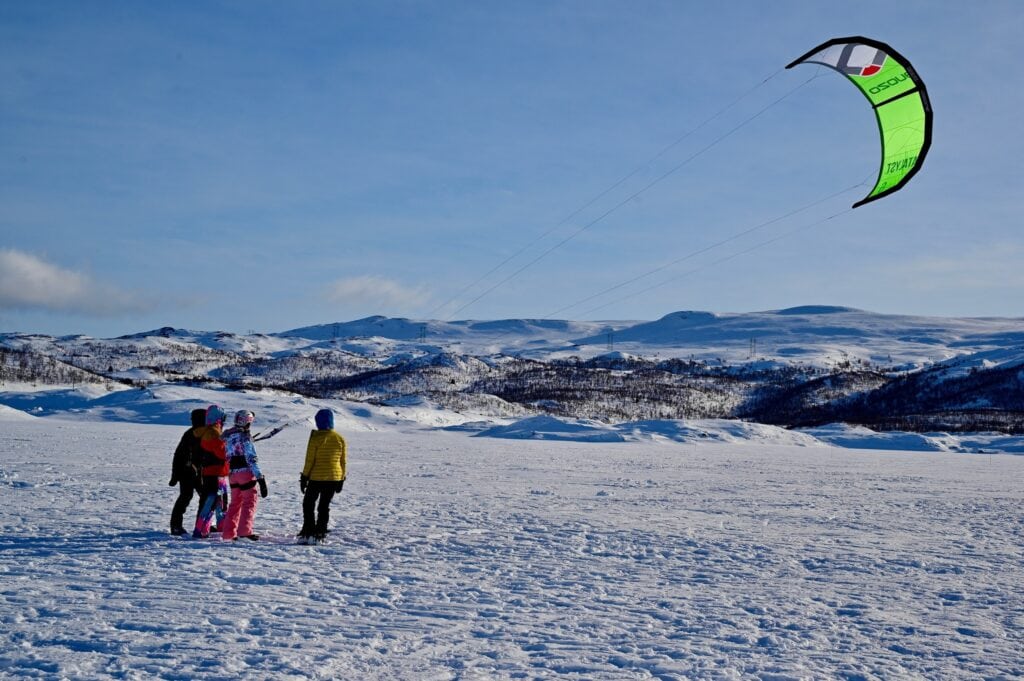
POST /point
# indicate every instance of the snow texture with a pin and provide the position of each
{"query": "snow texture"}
(673, 555)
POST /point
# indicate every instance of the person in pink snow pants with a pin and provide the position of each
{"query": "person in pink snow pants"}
(245, 476)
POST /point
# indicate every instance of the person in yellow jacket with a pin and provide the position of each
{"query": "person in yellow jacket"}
(323, 476)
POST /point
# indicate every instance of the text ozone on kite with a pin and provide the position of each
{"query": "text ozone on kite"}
(898, 97)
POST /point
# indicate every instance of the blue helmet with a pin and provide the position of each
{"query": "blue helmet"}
(215, 414)
(325, 419)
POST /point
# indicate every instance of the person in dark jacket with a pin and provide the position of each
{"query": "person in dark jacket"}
(183, 472)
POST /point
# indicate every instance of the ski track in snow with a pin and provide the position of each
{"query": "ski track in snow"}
(466, 558)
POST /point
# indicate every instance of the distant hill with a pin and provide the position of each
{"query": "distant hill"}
(803, 366)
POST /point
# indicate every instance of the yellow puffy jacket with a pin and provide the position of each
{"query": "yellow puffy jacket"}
(325, 456)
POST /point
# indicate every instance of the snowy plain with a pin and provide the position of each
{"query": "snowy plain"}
(675, 551)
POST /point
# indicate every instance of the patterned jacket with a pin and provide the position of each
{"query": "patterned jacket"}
(241, 451)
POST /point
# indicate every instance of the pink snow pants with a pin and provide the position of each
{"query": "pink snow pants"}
(242, 509)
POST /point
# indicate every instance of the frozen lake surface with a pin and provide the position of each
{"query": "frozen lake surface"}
(458, 557)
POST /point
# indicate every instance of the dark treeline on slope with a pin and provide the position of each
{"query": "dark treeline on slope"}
(22, 366)
(637, 389)
(925, 400)
(610, 388)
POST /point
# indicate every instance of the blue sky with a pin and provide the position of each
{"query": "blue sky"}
(264, 166)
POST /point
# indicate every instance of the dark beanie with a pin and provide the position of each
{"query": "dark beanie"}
(325, 419)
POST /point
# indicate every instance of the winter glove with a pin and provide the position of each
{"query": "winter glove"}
(338, 486)
(173, 482)
(303, 481)
(263, 487)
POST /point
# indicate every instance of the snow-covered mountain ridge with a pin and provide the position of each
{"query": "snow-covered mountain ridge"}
(802, 366)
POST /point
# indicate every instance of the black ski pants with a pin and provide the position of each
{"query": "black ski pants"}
(186, 488)
(318, 496)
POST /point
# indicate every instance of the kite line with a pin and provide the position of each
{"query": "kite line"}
(640, 191)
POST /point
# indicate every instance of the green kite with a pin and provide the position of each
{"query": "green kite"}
(898, 96)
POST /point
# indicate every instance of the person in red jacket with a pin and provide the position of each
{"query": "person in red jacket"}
(215, 467)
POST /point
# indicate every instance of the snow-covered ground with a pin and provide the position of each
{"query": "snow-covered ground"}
(666, 553)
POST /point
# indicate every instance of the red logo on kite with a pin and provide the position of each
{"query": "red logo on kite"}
(875, 66)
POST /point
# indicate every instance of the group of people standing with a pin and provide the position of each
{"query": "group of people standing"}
(223, 468)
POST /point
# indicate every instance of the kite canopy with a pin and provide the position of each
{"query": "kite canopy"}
(898, 96)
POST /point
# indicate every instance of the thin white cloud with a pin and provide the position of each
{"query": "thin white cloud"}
(375, 294)
(992, 267)
(30, 283)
